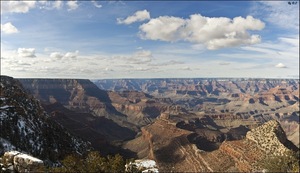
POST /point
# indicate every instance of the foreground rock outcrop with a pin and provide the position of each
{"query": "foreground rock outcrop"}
(15, 161)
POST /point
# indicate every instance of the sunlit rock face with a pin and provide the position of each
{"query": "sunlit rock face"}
(16, 161)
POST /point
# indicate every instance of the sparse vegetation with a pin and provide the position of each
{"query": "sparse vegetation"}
(284, 163)
(92, 162)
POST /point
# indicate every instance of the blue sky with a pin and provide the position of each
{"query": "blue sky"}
(144, 39)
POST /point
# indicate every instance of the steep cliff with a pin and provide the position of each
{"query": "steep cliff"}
(25, 126)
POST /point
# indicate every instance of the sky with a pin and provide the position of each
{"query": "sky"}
(150, 39)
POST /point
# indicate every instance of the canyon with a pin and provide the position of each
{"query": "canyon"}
(204, 125)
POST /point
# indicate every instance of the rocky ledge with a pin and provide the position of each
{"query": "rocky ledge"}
(16, 161)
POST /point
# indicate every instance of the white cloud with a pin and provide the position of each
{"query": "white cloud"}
(279, 13)
(136, 17)
(43, 2)
(96, 5)
(214, 33)
(280, 65)
(108, 69)
(142, 69)
(163, 28)
(71, 55)
(224, 63)
(72, 5)
(26, 52)
(284, 48)
(9, 28)
(167, 63)
(186, 68)
(291, 41)
(57, 4)
(17, 6)
(141, 57)
(68, 55)
(56, 55)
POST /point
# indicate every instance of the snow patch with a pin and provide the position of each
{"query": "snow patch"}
(7, 146)
(5, 107)
(3, 115)
(144, 165)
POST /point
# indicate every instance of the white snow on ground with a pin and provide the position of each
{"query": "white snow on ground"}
(3, 115)
(24, 127)
(5, 107)
(145, 163)
(7, 146)
(21, 124)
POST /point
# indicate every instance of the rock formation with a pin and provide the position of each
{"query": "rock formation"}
(15, 161)
(249, 100)
(173, 151)
(270, 137)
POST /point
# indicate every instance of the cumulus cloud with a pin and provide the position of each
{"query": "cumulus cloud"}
(72, 5)
(9, 28)
(71, 55)
(214, 33)
(136, 17)
(26, 52)
(280, 65)
(56, 55)
(68, 55)
(17, 6)
(96, 5)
